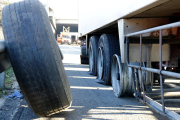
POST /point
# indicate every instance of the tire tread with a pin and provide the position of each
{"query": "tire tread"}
(111, 44)
(41, 76)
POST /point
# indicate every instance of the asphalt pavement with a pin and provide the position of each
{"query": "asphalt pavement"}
(90, 99)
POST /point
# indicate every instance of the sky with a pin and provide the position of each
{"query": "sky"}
(63, 9)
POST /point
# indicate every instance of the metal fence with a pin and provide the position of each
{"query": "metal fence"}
(141, 93)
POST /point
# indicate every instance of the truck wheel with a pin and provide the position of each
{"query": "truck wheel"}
(83, 50)
(108, 46)
(93, 52)
(83, 57)
(61, 54)
(121, 76)
(35, 57)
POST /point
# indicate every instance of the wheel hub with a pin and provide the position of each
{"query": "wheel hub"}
(115, 77)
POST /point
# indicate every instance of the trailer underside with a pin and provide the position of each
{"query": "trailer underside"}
(155, 51)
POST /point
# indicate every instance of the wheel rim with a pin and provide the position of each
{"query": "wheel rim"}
(115, 77)
(90, 58)
(100, 63)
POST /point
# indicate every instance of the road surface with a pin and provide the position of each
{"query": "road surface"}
(90, 99)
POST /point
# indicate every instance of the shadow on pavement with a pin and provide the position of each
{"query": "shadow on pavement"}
(95, 101)
(92, 101)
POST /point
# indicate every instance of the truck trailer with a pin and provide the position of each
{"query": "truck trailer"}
(134, 45)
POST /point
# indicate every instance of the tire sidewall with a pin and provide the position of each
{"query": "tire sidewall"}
(104, 45)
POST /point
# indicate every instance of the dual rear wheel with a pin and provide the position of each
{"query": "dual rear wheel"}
(93, 53)
(108, 45)
(105, 61)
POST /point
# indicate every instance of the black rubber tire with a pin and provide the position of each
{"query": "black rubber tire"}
(83, 50)
(84, 61)
(93, 52)
(35, 57)
(61, 54)
(109, 44)
(84, 58)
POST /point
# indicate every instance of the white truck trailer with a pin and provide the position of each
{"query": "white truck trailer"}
(134, 45)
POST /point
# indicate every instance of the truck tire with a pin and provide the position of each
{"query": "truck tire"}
(83, 57)
(35, 57)
(83, 50)
(108, 46)
(93, 52)
(61, 54)
(121, 76)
